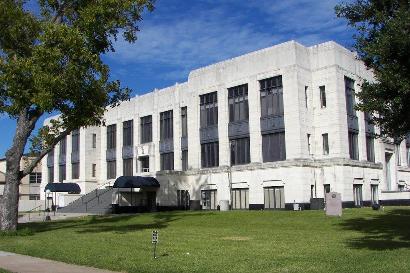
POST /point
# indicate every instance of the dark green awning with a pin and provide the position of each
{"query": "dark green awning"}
(136, 182)
(63, 187)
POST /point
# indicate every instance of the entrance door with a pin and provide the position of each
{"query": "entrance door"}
(357, 195)
(208, 199)
(274, 197)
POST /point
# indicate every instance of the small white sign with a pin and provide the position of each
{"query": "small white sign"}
(154, 236)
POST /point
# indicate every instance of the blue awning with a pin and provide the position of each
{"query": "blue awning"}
(63, 187)
(136, 182)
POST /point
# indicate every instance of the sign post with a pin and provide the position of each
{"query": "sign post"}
(155, 241)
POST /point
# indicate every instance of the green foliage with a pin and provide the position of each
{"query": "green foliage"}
(383, 43)
(52, 62)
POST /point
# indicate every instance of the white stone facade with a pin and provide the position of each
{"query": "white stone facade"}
(302, 175)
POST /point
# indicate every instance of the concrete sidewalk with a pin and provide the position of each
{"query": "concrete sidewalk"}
(26, 264)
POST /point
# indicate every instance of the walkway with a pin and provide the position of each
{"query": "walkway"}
(26, 264)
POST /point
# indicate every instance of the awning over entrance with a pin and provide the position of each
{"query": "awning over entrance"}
(136, 182)
(63, 187)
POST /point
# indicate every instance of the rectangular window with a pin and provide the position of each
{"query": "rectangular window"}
(63, 147)
(183, 199)
(274, 197)
(62, 172)
(94, 141)
(353, 146)
(184, 158)
(238, 103)
(184, 122)
(127, 133)
(34, 197)
(167, 161)
(326, 188)
(398, 155)
(408, 156)
(240, 151)
(325, 144)
(271, 92)
(210, 154)
(166, 126)
(75, 170)
(306, 96)
(400, 187)
(370, 148)
(240, 198)
(322, 91)
(350, 97)
(111, 136)
(374, 189)
(274, 147)
(357, 195)
(144, 163)
(127, 167)
(111, 169)
(75, 141)
(93, 170)
(309, 144)
(146, 129)
(208, 109)
(51, 174)
(35, 178)
(208, 198)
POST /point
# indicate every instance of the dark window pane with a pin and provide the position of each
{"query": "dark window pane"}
(210, 154)
(128, 131)
(146, 129)
(209, 109)
(111, 136)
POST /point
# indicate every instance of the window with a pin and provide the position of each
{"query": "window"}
(111, 169)
(75, 141)
(238, 103)
(322, 91)
(93, 170)
(325, 143)
(184, 158)
(273, 147)
(408, 156)
(183, 199)
(398, 155)
(111, 136)
(370, 148)
(146, 129)
(208, 198)
(274, 197)
(35, 178)
(210, 154)
(306, 96)
(167, 161)
(350, 97)
(184, 122)
(353, 146)
(357, 195)
(309, 144)
(144, 164)
(166, 127)
(374, 190)
(208, 109)
(240, 198)
(400, 187)
(75, 170)
(127, 133)
(62, 172)
(34, 197)
(312, 191)
(94, 140)
(240, 153)
(326, 188)
(127, 167)
(63, 147)
(271, 97)
(51, 174)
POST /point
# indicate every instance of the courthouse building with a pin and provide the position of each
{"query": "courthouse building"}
(266, 130)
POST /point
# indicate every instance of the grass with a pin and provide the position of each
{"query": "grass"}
(361, 240)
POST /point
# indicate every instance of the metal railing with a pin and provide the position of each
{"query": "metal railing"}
(95, 189)
(33, 209)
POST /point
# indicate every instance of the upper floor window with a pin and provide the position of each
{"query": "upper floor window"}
(63, 146)
(238, 103)
(353, 146)
(111, 136)
(350, 97)
(146, 129)
(322, 90)
(75, 140)
(166, 126)
(325, 144)
(210, 154)
(370, 148)
(271, 96)
(240, 151)
(94, 140)
(127, 134)
(209, 109)
(35, 178)
(306, 96)
(184, 122)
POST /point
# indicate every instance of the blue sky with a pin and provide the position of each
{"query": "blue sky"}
(183, 35)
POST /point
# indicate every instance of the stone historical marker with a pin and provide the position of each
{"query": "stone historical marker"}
(333, 204)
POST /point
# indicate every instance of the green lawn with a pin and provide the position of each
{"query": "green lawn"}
(242, 241)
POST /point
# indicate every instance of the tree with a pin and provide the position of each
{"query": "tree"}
(383, 43)
(51, 61)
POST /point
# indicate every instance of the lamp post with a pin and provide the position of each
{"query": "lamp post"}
(231, 147)
(48, 205)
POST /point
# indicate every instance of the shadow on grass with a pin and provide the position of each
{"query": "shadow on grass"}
(386, 231)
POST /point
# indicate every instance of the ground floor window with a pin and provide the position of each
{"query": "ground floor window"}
(167, 161)
(208, 198)
(34, 197)
(274, 197)
(357, 195)
(240, 198)
(111, 169)
(183, 199)
(374, 189)
(326, 188)
(127, 167)
(144, 161)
